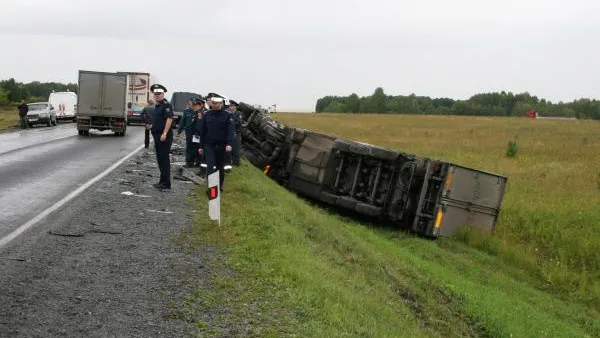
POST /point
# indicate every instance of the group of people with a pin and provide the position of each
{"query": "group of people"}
(212, 132)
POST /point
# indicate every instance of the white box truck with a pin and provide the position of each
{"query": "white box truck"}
(138, 94)
(101, 102)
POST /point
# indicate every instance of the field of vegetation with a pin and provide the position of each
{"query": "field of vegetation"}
(9, 118)
(293, 268)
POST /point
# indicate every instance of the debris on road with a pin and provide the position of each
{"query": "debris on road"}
(129, 193)
(159, 211)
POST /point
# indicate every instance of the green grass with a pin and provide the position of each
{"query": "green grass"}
(9, 118)
(550, 217)
(288, 268)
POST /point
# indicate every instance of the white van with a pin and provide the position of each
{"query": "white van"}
(65, 104)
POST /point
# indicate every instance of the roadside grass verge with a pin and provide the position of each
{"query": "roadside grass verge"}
(289, 268)
(9, 118)
(550, 217)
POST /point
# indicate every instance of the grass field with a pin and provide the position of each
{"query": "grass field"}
(550, 217)
(9, 118)
(293, 269)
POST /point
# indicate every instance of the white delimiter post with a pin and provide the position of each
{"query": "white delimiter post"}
(214, 197)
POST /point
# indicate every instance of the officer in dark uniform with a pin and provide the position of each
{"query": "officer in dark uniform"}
(197, 126)
(186, 124)
(162, 119)
(237, 121)
(216, 137)
(147, 117)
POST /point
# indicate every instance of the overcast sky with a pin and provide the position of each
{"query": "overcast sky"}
(292, 52)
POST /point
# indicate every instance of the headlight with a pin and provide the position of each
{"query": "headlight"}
(44, 114)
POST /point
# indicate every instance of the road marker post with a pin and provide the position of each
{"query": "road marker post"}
(214, 197)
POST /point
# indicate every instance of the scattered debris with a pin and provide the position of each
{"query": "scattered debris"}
(54, 233)
(98, 231)
(159, 211)
(125, 182)
(81, 234)
(129, 193)
(16, 259)
(188, 174)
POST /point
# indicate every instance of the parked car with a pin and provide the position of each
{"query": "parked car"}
(41, 112)
(134, 114)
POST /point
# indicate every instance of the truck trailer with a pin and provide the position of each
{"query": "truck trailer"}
(101, 102)
(429, 197)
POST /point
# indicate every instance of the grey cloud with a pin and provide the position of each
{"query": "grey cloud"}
(292, 52)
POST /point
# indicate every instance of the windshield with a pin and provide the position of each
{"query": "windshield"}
(39, 106)
(136, 108)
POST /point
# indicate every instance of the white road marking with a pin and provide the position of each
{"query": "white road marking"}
(73, 194)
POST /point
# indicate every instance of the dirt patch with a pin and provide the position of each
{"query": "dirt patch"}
(106, 264)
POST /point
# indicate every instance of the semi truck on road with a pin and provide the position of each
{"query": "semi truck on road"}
(101, 102)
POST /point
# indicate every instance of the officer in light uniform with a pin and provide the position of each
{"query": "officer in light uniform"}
(216, 137)
(162, 133)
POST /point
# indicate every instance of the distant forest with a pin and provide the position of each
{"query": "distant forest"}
(12, 91)
(487, 104)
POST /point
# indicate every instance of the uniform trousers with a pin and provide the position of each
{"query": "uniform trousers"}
(236, 149)
(147, 138)
(163, 157)
(214, 155)
(191, 148)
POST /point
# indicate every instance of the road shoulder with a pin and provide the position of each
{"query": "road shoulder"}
(106, 264)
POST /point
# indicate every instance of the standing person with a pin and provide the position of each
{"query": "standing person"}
(216, 137)
(198, 105)
(162, 133)
(237, 144)
(198, 122)
(186, 124)
(23, 110)
(147, 116)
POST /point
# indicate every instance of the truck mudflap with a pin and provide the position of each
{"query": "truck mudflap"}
(467, 198)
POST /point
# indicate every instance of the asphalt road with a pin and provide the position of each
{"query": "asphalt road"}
(40, 166)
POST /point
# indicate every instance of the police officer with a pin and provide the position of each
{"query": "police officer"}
(162, 119)
(186, 124)
(147, 117)
(198, 106)
(237, 144)
(216, 137)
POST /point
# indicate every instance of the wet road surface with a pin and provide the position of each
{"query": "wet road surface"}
(12, 141)
(38, 167)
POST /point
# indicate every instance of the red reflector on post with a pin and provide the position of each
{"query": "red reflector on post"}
(212, 193)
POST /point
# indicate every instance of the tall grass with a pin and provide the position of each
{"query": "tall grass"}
(287, 268)
(550, 217)
(9, 118)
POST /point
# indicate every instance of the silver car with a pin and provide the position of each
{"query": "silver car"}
(41, 112)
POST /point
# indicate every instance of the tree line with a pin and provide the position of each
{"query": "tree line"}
(12, 91)
(487, 104)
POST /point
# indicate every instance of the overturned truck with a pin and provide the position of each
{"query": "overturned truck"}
(427, 196)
